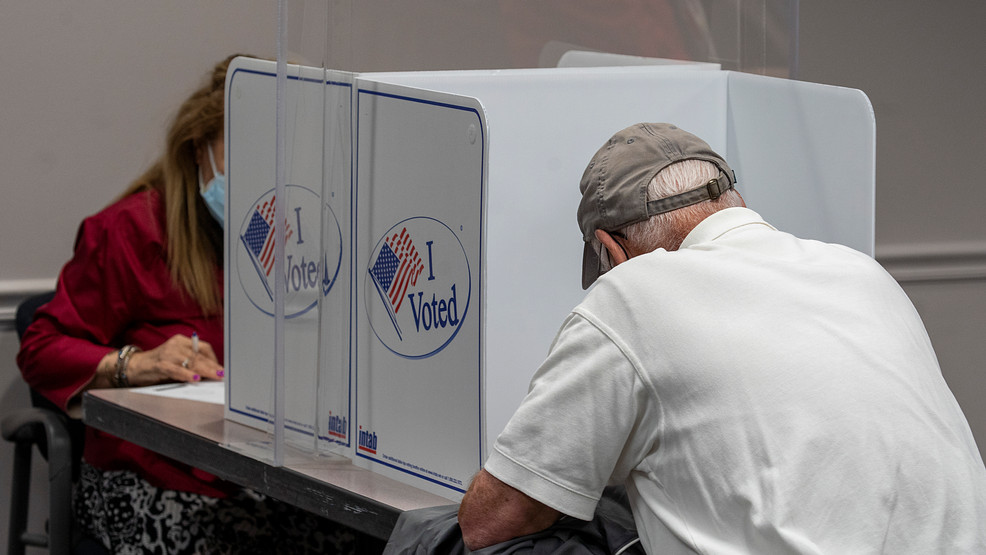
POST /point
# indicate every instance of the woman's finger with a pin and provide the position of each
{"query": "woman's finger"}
(179, 373)
(204, 366)
(208, 362)
(206, 350)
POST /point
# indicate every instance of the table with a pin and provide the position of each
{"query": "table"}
(196, 433)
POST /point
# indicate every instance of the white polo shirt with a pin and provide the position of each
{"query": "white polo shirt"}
(757, 393)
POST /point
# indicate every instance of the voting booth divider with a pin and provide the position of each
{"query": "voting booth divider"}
(431, 249)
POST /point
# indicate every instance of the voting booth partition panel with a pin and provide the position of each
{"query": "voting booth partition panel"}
(314, 273)
(425, 292)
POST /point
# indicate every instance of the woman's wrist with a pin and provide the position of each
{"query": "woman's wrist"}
(114, 369)
(120, 377)
(105, 371)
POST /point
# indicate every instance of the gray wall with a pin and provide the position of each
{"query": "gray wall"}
(921, 65)
(88, 87)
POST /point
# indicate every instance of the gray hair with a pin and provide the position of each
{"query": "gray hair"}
(669, 229)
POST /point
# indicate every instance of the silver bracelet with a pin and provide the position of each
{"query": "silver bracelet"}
(122, 359)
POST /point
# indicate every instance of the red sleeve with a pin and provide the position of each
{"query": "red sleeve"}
(97, 296)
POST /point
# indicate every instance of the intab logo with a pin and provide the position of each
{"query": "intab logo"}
(307, 271)
(338, 427)
(367, 441)
(418, 286)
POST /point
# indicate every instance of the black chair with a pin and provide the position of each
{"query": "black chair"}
(59, 440)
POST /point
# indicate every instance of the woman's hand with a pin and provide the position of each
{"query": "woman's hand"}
(175, 360)
(179, 359)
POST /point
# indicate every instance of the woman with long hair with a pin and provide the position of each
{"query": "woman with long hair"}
(141, 303)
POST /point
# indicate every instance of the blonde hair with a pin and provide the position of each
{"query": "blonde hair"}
(194, 239)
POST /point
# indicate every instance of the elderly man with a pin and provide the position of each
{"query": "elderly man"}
(755, 392)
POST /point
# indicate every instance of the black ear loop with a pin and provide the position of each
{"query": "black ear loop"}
(622, 248)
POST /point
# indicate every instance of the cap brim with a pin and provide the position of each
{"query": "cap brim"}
(590, 265)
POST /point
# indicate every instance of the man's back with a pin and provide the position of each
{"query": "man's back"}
(773, 395)
(808, 413)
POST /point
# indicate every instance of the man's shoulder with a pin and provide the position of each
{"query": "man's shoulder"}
(628, 288)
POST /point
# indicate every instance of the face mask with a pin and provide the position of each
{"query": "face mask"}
(214, 192)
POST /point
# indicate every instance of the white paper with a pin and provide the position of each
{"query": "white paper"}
(208, 391)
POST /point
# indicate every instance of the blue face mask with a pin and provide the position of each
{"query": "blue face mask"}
(214, 192)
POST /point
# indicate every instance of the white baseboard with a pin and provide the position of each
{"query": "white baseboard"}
(941, 261)
(13, 291)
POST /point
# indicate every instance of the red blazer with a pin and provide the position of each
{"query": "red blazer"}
(117, 290)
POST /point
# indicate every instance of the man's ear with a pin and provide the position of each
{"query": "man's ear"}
(616, 253)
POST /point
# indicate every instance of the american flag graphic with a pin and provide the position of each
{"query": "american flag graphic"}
(259, 240)
(397, 266)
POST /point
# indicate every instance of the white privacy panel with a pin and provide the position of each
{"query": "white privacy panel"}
(805, 156)
(317, 253)
(421, 177)
(544, 127)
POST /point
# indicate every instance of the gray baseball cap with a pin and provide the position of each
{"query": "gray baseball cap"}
(614, 185)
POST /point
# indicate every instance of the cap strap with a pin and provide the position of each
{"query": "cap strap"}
(711, 190)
